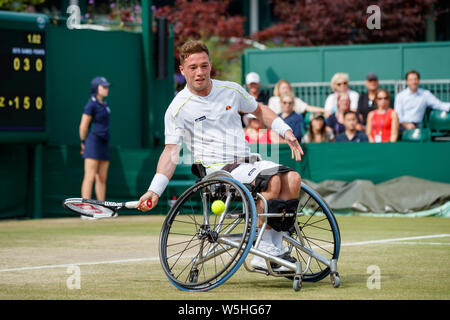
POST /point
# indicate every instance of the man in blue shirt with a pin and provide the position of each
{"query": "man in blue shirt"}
(351, 134)
(292, 119)
(410, 104)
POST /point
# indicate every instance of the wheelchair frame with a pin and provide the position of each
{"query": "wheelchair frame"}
(221, 244)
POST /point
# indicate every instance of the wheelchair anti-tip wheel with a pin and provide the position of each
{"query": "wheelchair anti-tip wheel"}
(318, 233)
(200, 250)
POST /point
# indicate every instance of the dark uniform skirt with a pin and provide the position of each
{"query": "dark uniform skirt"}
(96, 148)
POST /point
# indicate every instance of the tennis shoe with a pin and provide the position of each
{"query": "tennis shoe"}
(259, 263)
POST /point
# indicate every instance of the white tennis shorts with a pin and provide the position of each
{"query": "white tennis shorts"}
(247, 172)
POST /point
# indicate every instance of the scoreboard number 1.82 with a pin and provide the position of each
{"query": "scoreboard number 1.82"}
(22, 80)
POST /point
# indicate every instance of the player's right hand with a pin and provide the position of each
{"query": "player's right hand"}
(142, 204)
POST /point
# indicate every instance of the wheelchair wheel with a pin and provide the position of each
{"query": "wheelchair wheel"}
(200, 250)
(319, 231)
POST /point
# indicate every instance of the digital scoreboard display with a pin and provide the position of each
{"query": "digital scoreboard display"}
(22, 80)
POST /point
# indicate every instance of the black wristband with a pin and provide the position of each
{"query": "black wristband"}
(82, 141)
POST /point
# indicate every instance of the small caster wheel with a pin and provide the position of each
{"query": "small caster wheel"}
(297, 283)
(335, 280)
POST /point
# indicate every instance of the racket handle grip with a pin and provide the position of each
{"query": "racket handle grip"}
(133, 204)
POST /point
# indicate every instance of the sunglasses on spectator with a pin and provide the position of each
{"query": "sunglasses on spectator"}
(342, 83)
(288, 102)
(382, 98)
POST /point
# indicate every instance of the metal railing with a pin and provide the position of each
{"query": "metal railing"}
(315, 93)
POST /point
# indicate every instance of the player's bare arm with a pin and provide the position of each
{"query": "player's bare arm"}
(166, 166)
(269, 118)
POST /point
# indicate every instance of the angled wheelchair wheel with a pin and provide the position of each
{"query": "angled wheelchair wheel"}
(200, 250)
(318, 230)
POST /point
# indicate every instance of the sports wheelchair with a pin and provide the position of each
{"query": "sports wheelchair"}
(200, 250)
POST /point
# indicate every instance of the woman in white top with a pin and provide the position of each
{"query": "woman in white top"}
(339, 84)
(282, 87)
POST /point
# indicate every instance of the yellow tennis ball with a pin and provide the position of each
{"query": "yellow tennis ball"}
(218, 207)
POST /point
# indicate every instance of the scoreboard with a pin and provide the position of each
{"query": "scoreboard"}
(22, 80)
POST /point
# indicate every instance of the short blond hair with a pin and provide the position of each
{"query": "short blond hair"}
(335, 79)
(191, 47)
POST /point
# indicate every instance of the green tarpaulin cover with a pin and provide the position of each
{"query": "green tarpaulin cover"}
(407, 196)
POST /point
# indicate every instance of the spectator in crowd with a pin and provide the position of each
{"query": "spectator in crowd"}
(339, 84)
(351, 134)
(293, 119)
(282, 87)
(253, 83)
(336, 120)
(94, 137)
(382, 123)
(318, 131)
(410, 104)
(257, 133)
(366, 102)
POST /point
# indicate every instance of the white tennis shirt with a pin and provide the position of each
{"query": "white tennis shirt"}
(210, 126)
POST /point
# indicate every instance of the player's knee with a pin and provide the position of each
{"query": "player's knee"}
(294, 180)
(274, 186)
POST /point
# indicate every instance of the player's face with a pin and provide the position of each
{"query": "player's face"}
(197, 70)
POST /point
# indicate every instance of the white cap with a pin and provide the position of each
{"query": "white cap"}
(252, 77)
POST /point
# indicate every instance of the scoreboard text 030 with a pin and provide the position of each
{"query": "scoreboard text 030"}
(22, 80)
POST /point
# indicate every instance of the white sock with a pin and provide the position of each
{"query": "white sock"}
(277, 238)
(267, 236)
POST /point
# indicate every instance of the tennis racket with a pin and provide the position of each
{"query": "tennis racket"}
(99, 209)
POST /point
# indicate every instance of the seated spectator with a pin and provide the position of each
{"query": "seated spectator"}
(336, 120)
(339, 84)
(410, 104)
(252, 82)
(282, 87)
(318, 131)
(366, 102)
(351, 134)
(382, 123)
(293, 119)
(257, 133)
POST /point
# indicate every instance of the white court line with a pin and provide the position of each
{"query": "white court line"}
(51, 266)
(425, 243)
(361, 243)
(157, 258)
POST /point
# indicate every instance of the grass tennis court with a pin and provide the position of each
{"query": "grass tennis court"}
(118, 259)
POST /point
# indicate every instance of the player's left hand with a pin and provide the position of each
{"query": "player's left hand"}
(296, 150)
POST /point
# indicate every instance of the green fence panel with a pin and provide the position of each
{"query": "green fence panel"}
(74, 58)
(378, 162)
(131, 169)
(318, 64)
(15, 173)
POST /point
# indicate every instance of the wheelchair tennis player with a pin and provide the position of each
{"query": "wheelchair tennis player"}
(205, 116)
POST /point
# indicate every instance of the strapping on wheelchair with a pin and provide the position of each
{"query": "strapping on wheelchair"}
(283, 223)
